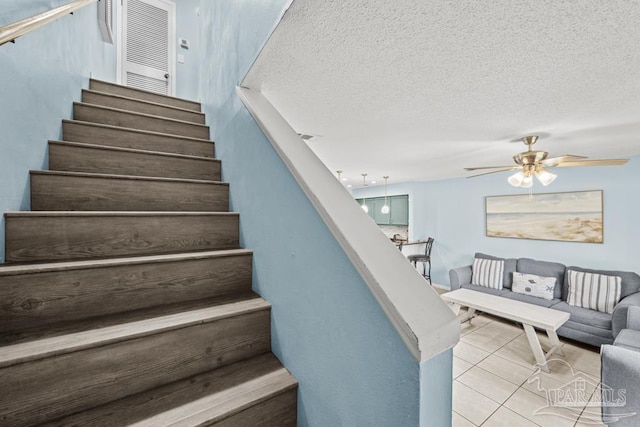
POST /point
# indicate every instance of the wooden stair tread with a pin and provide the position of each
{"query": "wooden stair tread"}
(196, 394)
(54, 346)
(135, 113)
(142, 101)
(140, 131)
(125, 177)
(17, 214)
(146, 92)
(133, 150)
(8, 270)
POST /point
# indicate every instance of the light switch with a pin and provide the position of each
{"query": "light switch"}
(180, 59)
(184, 43)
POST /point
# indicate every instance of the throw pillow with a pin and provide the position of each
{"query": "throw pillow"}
(535, 286)
(594, 291)
(487, 272)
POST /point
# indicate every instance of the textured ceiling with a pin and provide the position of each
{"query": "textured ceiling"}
(419, 89)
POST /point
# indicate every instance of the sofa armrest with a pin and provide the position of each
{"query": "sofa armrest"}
(621, 375)
(621, 313)
(633, 317)
(459, 276)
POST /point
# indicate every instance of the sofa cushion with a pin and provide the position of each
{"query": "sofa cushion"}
(595, 291)
(585, 316)
(487, 272)
(628, 338)
(530, 299)
(544, 269)
(486, 290)
(509, 267)
(535, 286)
(630, 281)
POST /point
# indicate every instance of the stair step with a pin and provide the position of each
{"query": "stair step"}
(116, 136)
(83, 370)
(82, 157)
(128, 119)
(72, 191)
(37, 296)
(146, 107)
(255, 392)
(57, 236)
(144, 95)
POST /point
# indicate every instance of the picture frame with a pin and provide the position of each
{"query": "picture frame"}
(575, 216)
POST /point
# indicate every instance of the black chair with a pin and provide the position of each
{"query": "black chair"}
(424, 258)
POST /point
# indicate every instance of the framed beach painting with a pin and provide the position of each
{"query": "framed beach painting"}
(569, 217)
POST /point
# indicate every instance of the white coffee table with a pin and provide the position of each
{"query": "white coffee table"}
(531, 316)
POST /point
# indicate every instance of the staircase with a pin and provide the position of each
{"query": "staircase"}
(126, 298)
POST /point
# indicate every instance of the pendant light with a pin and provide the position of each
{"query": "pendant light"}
(339, 175)
(385, 209)
(364, 198)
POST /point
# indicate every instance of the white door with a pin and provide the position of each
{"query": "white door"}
(147, 45)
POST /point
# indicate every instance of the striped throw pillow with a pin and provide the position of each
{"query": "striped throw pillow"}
(487, 272)
(594, 291)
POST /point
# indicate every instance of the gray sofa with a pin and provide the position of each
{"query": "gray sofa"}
(585, 325)
(620, 373)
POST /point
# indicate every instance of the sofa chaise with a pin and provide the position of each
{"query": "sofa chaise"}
(585, 324)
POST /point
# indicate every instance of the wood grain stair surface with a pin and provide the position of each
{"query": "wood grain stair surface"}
(131, 104)
(74, 191)
(87, 369)
(37, 296)
(53, 236)
(116, 136)
(129, 119)
(82, 157)
(102, 86)
(236, 394)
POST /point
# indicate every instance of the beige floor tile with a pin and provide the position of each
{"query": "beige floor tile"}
(488, 384)
(504, 417)
(458, 420)
(592, 414)
(476, 323)
(536, 409)
(472, 405)
(460, 367)
(585, 359)
(519, 351)
(492, 336)
(468, 352)
(540, 382)
(505, 369)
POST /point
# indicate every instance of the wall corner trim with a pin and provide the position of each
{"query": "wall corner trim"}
(424, 322)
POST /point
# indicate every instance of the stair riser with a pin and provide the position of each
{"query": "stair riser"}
(141, 107)
(36, 300)
(278, 411)
(94, 160)
(90, 113)
(73, 193)
(126, 138)
(142, 95)
(80, 380)
(59, 238)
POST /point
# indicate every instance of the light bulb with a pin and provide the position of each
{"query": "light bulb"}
(527, 181)
(365, 208)
(545, 177)
(385, 209)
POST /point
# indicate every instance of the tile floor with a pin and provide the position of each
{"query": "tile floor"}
(496, 383)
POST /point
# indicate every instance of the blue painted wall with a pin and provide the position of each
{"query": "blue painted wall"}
(452, 211)
(40, 76)
(327, 328)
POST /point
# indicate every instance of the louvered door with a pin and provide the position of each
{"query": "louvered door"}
(148, 45)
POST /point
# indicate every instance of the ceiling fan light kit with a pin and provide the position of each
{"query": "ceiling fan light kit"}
(535, 162)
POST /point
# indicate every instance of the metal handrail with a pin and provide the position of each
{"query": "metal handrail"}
(10, 32)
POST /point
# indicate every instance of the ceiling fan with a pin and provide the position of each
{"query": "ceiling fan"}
(533, 162)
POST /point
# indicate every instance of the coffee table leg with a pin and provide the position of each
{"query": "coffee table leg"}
(534, 342)
(455, 307)
(555, 342)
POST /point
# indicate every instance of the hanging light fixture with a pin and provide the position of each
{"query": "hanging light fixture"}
(524, 178)
(385, 208)
(364, 198)
(339, 177)
(544, 176)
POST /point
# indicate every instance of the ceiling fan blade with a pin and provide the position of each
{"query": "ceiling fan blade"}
(500, 170)
(560, 159)
(606, 162)
(491, 167)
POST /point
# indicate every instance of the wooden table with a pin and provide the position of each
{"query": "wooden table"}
(531, 316)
